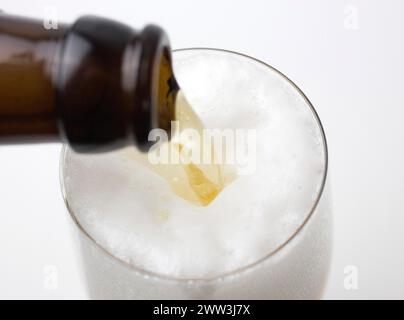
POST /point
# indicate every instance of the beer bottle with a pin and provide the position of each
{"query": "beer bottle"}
(96, 84)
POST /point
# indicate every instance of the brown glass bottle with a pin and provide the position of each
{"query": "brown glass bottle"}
(96, 84)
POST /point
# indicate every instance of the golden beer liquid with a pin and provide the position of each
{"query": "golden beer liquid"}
(196, 182)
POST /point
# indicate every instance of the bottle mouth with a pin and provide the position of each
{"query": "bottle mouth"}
(167, 90)
(156, 88)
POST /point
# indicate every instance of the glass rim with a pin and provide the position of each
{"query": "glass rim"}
(237, 271)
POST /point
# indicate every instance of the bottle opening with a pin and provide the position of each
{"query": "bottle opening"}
(167, 90)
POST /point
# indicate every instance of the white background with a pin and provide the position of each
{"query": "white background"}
(347, 56)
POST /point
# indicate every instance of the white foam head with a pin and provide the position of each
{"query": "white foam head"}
(134, 215)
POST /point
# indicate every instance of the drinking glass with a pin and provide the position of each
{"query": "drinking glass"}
(296, 269)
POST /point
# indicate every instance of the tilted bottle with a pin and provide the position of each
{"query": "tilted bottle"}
(96, 84)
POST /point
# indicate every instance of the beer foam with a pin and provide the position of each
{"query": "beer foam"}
(134, 214)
